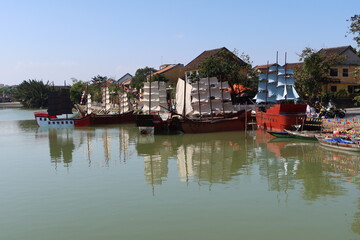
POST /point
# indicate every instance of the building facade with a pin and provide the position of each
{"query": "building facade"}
(341, 76)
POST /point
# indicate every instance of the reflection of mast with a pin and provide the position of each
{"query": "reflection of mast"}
(106, 141)
(89, 147)
(123, 144)
(184, 160)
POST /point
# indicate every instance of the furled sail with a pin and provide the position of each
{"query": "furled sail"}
(183, 97)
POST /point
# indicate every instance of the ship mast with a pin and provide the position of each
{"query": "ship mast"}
(211, 109)
(267, 82)
(285, 77)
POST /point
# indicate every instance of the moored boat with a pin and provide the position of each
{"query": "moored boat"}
(206, 106)
(339, 144)
(123, 113)
(280, 134)
(58, 104)
(43, 119)
(277, 98)
(155, 117)
(303, 134)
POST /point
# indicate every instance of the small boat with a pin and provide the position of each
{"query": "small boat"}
(280, 134)
(59, 103)
(303, 134)
(339, 144)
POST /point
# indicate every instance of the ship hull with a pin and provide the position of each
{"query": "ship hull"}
(237, 123)
(154, 124)
(45, 120)
(112, 118)
(280, 116)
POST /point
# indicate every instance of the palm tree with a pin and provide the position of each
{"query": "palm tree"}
(32, 93)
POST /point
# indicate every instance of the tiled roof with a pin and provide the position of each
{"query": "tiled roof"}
(264, 66)
(194, 64)
(336, 50)
(125, 78)
(165, 69)
(294, 65)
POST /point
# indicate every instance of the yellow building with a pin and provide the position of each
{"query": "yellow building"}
(341, 77)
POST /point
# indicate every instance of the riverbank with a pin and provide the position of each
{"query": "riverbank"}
(11, 105)
(352, 113)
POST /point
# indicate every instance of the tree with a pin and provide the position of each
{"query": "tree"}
(354, 28)
(227, 66)
(76, 90)
(32, 93)
(159, 78)
(140, 77)
(314, 73)
(224, 65)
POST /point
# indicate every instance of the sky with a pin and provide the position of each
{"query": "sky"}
(60, 40)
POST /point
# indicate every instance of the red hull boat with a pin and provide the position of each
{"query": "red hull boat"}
(236, 123)
(280, 116)
(43, 119)
(97, 119)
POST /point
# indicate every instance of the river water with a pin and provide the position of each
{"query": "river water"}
(110, 182)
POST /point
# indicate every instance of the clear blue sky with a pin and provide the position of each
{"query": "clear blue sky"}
(56, 40)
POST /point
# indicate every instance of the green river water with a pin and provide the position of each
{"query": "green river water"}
(110, 182)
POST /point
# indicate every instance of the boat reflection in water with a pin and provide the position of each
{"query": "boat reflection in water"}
(199, 158)
(97, 145)
(204, 158)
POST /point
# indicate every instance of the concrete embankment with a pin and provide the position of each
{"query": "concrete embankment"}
(11, 105)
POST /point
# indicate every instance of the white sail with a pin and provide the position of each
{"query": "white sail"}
(183, 96)
(262, 85)
(210, 96)
(281, 72)
(224, 85)
(105, 98)
(262, 76)
(154, 97)
(226, 96)
(200, 97)
(260, 97)
(272, 89)
(88, 104)
(286, 80)
(279, 85)
(272, 78)
(202, 109)
(124, 104)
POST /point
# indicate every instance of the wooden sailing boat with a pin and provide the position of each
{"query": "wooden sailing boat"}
(211, 108)
(124, 114)
(59, 103)
(278, 109)
(155, 117)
